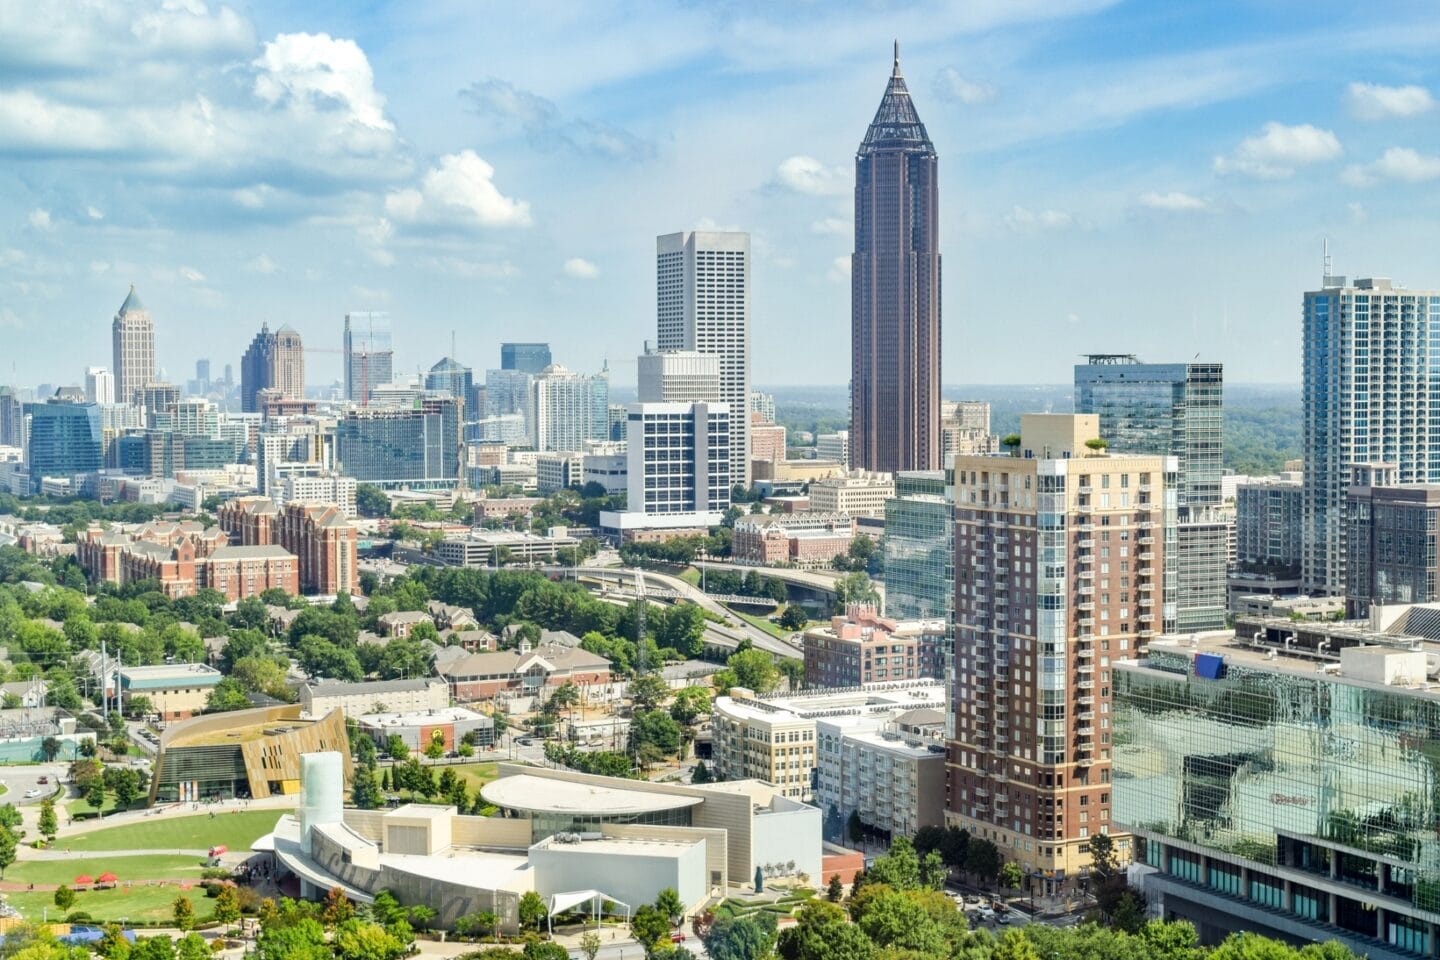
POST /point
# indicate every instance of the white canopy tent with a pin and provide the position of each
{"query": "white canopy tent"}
(560, 902)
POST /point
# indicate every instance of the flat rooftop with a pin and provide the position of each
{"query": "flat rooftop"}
(245, 733)
(168, 675)
(871, 698)
(414, 718)
(611, 846)
(543, 795)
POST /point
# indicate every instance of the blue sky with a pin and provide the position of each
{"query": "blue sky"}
(1153, 177)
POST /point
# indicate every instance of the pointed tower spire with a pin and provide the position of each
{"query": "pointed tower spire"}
(896, 71)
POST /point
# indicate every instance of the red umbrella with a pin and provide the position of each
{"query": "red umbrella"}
(84, 878)
(106, 878)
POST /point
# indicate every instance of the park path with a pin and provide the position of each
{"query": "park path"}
(58, 852)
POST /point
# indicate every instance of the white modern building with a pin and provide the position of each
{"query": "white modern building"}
(607, 464)
(327, 487)
(857, 494)
(703, 304)
(678, 470)
(559, 470)
(566, 409)
(834, 446)
(99, 385)
(678, 376)
(888, 769)
(377, 696)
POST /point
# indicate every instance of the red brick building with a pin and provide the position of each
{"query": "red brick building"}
(809, 540)
(317, 533)
(481, 676)
(864, 647)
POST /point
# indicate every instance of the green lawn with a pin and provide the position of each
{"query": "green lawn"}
(80, 807)
(133, 903)
(774, 629)
(144, 867)
(236, 830)
(691, 576)
(475, 775)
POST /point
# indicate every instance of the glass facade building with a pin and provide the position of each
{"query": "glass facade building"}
(65, 439)
(1371, 375)
(1271, 795)
(525, 357)
(453, 377)
(419, 447)
(1172, 409)
(920, 547)
(369, 356)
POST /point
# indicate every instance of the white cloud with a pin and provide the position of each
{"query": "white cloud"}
(831, 225)
(95, 213)
(839, 271)
(1397, 163)
(581, 269)
(1174, 202)
(191, 274)
(316, 72)
(808, 175)
(1372, 101)
(458, 192)
(950, 85)
(40, 219)
(99, 267)
(263, 264)
(1020, 218)
(1277, 151)
(1358, 213)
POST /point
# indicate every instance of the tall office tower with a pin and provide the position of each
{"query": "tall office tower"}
(99, 385)
(506, 392)
(1059, 570)
(525, 357)
(702, 293)
(274, 361)
(369, 356)
(1171, 409)
(1390, 547)
(677, 376)
(1366, 397)
(133, 340)
(453, 377)
(202, 375)
(565, 409)
(229, 377)
(12, 419)
(895, 292)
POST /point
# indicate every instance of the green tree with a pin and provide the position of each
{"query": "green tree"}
(590, 944)
(1012, 875)
(226, 695)
(648, 691)
(95, 795)
(899, 868)
(794, 617)
(50, 748)
(422, 916)
(227, 905)
(854, 827)
(356, 939)
(192, 946)
(64, 897)
(891, 918)
(1013, 945)
(824, 933)
(650, 928)
(395, 747)
(754, 669)
(742, 938)
(668, 903)
(49, 822)
(365, 791)
(701, 773)
(183, 913)
(654, 734)
(835, 890)
(371, 501)
(435, 749)
(532, 910)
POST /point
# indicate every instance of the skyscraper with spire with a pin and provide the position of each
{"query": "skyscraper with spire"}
(133, 339)
(895, 291)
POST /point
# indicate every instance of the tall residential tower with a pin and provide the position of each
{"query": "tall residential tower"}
(702, 287)
(895, 292)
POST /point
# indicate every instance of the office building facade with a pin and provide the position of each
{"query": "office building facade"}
(1059, 569)
(677, 376)
(895, 291)
(133, 344)
(273, 361)
(1367, 384)
(1284, 787)
(1269, 533)
(451, 376)
(368, 354)
(861, 646)
(1390, 545)
(678, 459)
(1171, 409)
(418, 447)
(702, 287)
(525, 357)
(920, 547)
(65, 439)
(12, 419)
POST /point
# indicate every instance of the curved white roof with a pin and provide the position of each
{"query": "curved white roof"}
(542, 795)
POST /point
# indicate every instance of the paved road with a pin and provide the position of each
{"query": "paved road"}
(20, 780)
(814, 579)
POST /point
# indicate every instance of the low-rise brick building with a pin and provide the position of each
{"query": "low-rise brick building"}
(526, 671)
(864, 647)
(807, 540)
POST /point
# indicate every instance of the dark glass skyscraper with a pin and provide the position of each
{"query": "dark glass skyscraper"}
(525, 357)
(895, 292)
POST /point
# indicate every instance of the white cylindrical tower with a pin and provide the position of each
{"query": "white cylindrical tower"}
(322, 792)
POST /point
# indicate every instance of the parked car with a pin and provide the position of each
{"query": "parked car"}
(678, 936)
(32, 794)
(985, 913)
(43, 780)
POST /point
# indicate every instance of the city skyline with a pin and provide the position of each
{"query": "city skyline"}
(481, 197)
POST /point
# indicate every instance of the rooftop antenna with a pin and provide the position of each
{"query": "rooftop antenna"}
(1327, 258)
(452, 344)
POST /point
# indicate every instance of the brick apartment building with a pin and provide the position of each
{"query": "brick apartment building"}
(807, 540)
(318, 534)
(864, 647)
(184, 561)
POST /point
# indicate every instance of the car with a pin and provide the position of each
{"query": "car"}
(32, 794)
(973, 901)
(678, 936)
(43, 780)
(1003, 918)
(985, 913)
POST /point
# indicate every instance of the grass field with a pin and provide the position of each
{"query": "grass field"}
(475, 775)
(691, 576)
(236, 830)
(80, 807)
(144, 867)
(774, 629)
(134, 903)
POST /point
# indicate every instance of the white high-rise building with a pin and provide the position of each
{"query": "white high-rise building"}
(1366, 399)
(566, 408)
(679, 459)
(99, 385)
(678, 376)
(702, 286)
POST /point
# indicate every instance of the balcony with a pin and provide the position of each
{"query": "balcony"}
(1085, 604)
(1085, 684)
(1084, 653)
(1085, 731)
(1085, 669)
(1146, 555)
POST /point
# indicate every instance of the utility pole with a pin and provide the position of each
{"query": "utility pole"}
(104, 700)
